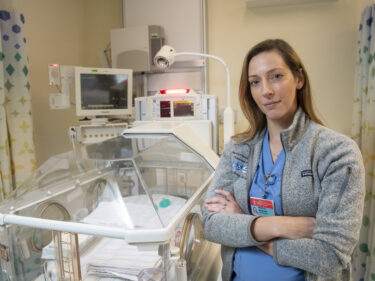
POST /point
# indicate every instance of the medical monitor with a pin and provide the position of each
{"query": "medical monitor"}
(103, 91)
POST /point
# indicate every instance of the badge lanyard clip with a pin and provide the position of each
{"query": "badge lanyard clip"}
(270, 180)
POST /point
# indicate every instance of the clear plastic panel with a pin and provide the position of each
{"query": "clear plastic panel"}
(171, 173)
(70, 255)
(131, 181)
(59, 173)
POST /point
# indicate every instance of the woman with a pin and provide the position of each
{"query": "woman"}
(287, 197)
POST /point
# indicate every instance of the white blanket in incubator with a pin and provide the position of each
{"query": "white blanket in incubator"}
(139, 207)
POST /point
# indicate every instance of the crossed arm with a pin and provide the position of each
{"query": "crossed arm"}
(264, 229)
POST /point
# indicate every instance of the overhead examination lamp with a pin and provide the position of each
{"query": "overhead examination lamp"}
(164, 58)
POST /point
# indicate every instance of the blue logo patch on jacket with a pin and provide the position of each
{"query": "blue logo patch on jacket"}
(306, 173)
(238, 166)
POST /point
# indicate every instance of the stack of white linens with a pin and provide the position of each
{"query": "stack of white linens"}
(114, 258)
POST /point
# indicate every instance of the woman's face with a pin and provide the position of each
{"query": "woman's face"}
(274, 87)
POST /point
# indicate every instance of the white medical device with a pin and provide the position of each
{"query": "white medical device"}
(103, 91)
(135, 47)
(100, 92)
(165, 58)
(61, 76)
(200, 111)
(127, 208)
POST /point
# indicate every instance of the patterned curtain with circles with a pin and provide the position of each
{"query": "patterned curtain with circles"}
(17, 156)
(363, 132)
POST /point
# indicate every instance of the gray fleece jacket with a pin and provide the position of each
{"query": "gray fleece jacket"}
(323, 177)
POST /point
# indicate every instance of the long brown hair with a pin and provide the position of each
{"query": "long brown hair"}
(256, 118)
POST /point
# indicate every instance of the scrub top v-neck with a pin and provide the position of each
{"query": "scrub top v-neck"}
(251, 263)
(267, 180)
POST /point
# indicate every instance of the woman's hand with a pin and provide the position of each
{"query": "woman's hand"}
(222, 204)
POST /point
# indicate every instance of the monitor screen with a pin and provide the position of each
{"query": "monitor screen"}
(103, 91)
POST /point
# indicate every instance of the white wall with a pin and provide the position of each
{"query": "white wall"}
(68, 32)
(323, 34)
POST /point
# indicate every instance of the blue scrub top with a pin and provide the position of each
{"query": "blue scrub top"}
(251, 263)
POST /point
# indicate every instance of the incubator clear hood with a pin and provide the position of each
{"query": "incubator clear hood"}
(136, 189)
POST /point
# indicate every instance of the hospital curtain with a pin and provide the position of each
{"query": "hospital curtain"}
(363, 132)
(17, 156)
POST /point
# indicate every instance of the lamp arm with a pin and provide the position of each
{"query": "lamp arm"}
(228, 115)
(215, 58)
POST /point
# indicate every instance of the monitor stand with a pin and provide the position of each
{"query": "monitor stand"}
(99, 121)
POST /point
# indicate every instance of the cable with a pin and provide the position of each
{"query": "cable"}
(77, 157)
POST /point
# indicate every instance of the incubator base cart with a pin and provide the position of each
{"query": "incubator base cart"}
(127, 208)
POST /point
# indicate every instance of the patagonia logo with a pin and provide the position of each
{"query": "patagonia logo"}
(306, 173)
(238, 166)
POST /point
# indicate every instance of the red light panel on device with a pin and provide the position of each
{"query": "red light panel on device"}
(175, 91)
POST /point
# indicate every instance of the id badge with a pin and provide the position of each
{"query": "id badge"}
(262, 207)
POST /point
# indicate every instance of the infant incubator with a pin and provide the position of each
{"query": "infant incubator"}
(127, 208)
